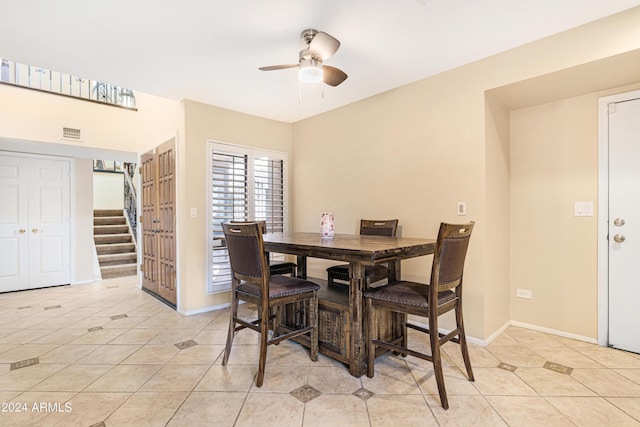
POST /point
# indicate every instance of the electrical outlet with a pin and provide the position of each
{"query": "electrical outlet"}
(524, 293)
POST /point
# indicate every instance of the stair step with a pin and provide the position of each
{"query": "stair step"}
(115, 248)
(103, 239)
(112, 271)
(117, 258)
(111, 229)
(114, 244)
(108, 212)
(109, 220)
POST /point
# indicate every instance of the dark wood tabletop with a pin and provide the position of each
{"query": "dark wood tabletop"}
(348, 247)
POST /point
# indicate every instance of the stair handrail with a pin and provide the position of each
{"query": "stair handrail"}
(130, 198)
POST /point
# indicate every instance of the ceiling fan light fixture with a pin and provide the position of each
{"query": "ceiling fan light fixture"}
(310, 73)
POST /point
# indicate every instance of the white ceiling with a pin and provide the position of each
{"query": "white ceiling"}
(210, 50)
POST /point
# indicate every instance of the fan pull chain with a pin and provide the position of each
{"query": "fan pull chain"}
(299, 92)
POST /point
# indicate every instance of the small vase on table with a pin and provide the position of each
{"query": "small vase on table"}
(327, 229)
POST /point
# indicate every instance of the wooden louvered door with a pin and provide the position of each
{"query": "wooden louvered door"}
(158, 221)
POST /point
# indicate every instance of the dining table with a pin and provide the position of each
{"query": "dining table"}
(358, 251)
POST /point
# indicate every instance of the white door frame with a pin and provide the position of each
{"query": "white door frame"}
(603, 211)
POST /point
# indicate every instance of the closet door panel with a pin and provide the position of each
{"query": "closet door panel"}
(49, 224)
(14, 220)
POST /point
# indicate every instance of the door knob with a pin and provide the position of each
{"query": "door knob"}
(34, 230)
(22, 231)
(619, 238)
(618, 222)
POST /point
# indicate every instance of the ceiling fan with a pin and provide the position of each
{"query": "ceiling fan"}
(320, 46)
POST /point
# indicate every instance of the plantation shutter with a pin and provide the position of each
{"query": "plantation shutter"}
(246, 184)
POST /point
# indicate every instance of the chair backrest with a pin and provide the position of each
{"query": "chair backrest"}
(246, 251)
(371, 227)
(449, 256)
(262, 223)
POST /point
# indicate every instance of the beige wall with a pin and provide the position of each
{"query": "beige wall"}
(83, 253)
(497, 253)
(203, 123)
(413, 152)
(554, 162)
(108, 190)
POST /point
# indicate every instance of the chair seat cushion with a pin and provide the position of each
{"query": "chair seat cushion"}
(407, 293)
(279, 286)
(282, 264)
(282, 267)
(371, 272)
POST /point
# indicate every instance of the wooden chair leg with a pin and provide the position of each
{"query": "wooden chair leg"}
(434, 340)
(463, 343)
(405, 331)
(369, 317)
(264, 338)
(313, 320)
(276, 320)
(232, 328)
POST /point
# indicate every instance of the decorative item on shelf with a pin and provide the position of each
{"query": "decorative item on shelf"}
(327, 229)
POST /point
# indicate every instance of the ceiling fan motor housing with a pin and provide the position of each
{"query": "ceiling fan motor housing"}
(308, 35)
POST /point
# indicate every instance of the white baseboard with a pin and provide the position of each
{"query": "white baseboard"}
(498, 332)
(553, 332)
(492, 337)
(207, 309)
(86, 282)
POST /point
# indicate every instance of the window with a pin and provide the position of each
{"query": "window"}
(244, 184)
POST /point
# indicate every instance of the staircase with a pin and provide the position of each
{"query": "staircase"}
(115, 246)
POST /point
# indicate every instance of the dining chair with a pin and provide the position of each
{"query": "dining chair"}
(275, 267)
(372, 273)
(428, 301)
(251, 282)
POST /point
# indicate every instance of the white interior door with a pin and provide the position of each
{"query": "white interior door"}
(49, 224)
(34, 223)
(14, 222)
(624, 225)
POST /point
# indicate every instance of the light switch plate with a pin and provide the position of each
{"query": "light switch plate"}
(583, 208)
(524, 293)
(462, 208)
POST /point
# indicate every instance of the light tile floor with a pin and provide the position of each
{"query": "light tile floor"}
(108, 354)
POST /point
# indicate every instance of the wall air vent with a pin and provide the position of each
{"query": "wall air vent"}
(71, 133)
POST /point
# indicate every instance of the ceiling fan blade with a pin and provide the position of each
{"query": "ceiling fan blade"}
(323, 45)
(277, 67)
(333, 76)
